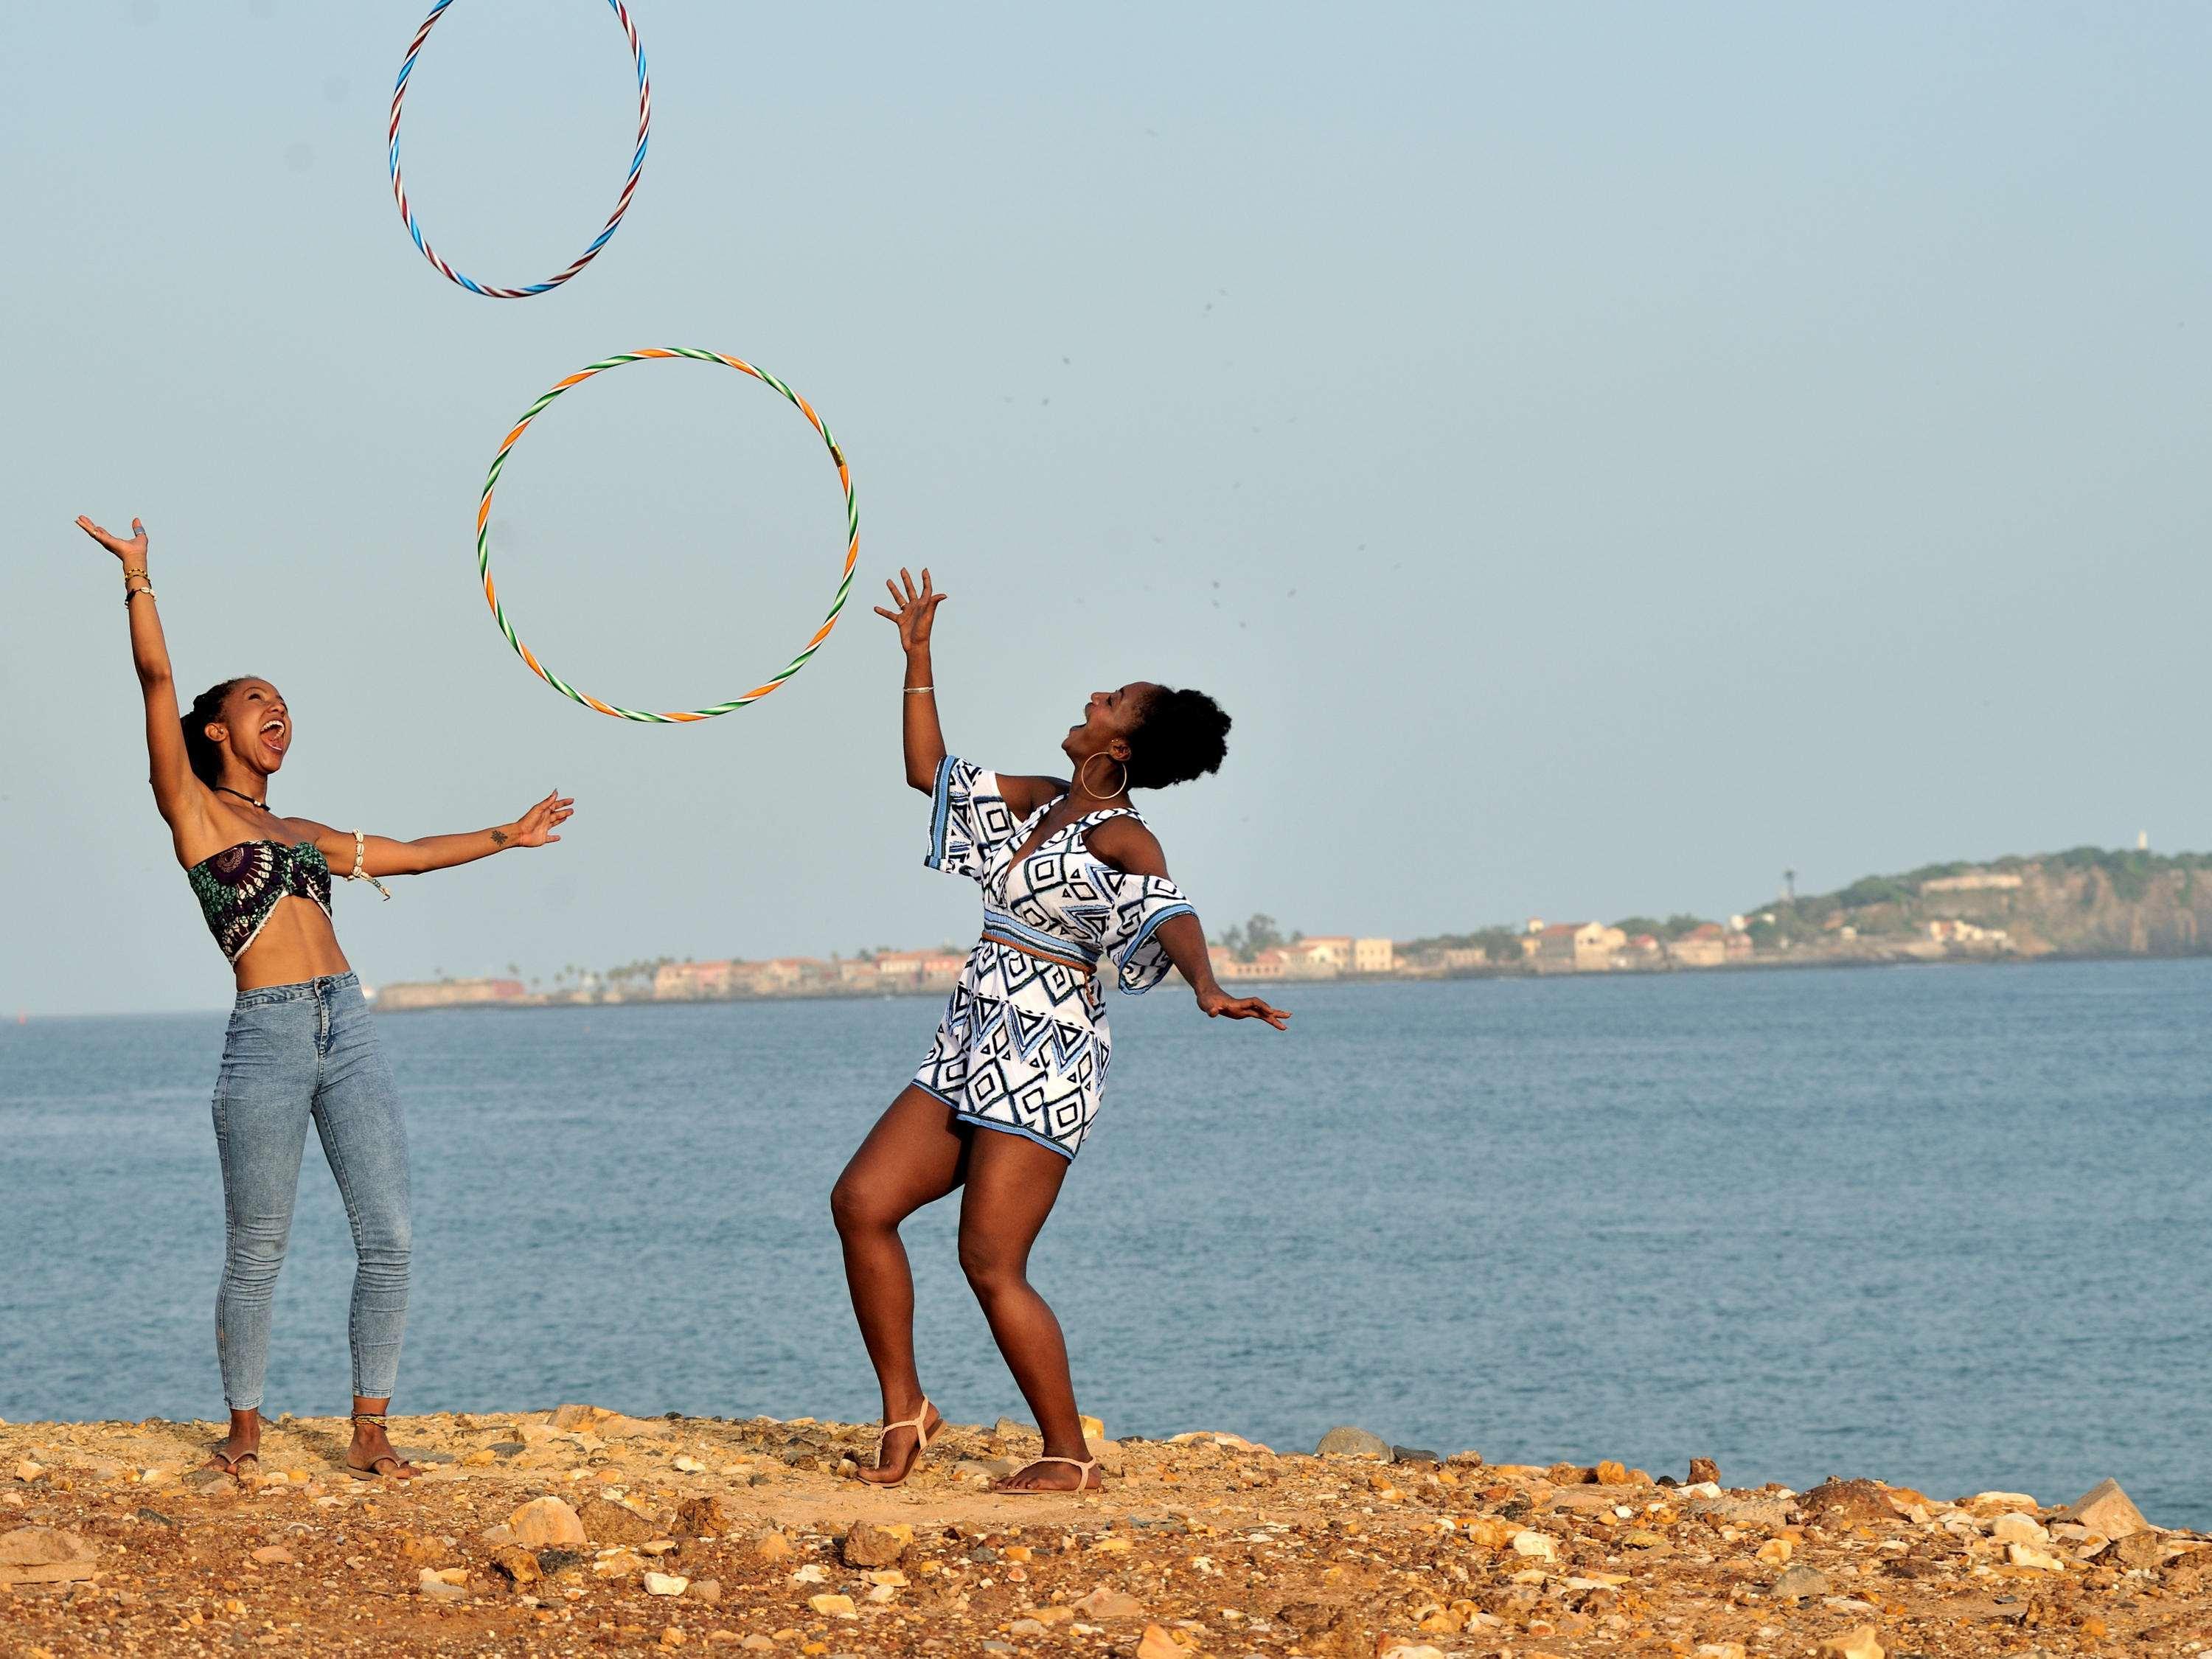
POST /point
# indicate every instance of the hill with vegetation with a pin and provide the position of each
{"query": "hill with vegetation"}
(2088, 900)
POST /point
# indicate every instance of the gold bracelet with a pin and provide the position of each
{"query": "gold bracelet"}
(911, 690)
(129, 572)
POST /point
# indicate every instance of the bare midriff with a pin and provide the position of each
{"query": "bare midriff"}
(296, 943)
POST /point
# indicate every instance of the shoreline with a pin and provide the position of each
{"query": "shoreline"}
(582, 1530)
(1795, 964)
(527, 1005)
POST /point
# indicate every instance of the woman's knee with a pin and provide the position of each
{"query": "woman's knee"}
(256, 1247)
(856, 1209)
(992, 1269)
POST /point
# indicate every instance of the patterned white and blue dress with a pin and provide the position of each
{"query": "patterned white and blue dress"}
(1023, 1044)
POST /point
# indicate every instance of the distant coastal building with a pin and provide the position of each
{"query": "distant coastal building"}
(1703, 946)
(686, 981)
(1973, 881)
(1325, 956)
(918, 971)
(1573, 947)
(1968, 936)
(446, 994)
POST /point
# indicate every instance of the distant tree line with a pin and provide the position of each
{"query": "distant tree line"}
(1246, 940)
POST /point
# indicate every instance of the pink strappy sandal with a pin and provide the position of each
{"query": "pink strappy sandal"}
(1084, 1466)
(922, 1435)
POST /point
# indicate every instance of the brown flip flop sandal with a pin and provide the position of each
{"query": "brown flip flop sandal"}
(233, 1464)
(400, 1468)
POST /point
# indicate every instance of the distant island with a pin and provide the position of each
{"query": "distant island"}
(2086, 901)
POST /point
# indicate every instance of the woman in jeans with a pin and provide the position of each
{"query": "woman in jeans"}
(301, 1045)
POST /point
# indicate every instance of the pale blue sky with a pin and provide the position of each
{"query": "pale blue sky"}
(1599, 457)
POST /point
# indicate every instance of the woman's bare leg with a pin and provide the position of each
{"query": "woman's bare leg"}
(1013, 1182)
(914, 1155)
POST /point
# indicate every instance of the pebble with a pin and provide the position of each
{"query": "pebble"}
(1349, 1442)
(834, 1607)
(2106, 1508)
(1798, 1583)
(434, 1588)
(1107, 1602)
(45, 1555)
(1535, 1544)
(1847, 1501)
(772, 1546)
(697, 1518)
(665, 1584)
(546, 1521)
(273, 1555)
(2026, 1555)
(1704, 1472)
(2013, 1527)
(1857, 1643)
(1156, 1644)
(867, 1545)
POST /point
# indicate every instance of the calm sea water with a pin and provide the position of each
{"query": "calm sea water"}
(1948, 1226)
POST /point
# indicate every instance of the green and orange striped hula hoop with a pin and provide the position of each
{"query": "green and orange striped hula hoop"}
(680, 717)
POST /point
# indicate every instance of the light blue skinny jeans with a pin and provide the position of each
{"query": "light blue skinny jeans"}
(294, 1052)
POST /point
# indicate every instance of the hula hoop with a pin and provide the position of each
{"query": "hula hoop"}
(621, 203)
(683, 716)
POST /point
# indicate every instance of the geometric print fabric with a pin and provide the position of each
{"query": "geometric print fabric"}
(1023, 1044)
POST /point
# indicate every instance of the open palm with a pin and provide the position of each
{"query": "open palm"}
(535, 827)
(131, 549)
(917, 608)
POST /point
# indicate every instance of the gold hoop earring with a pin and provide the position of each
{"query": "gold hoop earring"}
(1083, 780)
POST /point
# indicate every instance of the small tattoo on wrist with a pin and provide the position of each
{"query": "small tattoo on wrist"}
(498, 838)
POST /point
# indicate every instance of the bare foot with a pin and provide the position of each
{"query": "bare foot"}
(371, 1455)
(1054, 1474)
(901, 1450)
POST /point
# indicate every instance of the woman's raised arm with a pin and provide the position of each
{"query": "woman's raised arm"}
(914, 611)
(175, 790)
(381, 855)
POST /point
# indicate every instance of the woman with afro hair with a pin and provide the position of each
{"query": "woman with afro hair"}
(1074, 885)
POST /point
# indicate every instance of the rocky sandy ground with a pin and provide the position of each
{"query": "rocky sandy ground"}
(583, 1531)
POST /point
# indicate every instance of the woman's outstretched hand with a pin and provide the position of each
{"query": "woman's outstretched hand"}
(1217, 1004)
(914, 611)
(535, 827)
(131, 548)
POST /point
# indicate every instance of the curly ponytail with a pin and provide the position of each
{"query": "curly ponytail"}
(205, 755)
